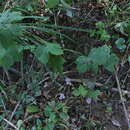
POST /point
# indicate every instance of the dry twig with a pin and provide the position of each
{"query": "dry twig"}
(9, 123)
(122, 100)
(12, 115)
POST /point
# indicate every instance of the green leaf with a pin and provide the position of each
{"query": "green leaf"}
(10, 32)
(42, 54)
(64, 116)
(83, 64)
(6, 62)
(104, 36)
(97, 56)
(56, 63)
(52, 117)
(66, 5)
(54, 49)
(81, 91)
(100, 25)
(120, 41)
(129, 58)
(93, 94)
(76, 93)
(100, 55)
(111, 62)
(32, 109)
(52, 3)
(59, 106)
(120, 44)
(121, 27)
(11, 55)
(48, 111)
(51, 54)
(2, 52)
(50, 126)
(9, 17)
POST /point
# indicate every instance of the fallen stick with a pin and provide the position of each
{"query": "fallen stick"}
(122, 100)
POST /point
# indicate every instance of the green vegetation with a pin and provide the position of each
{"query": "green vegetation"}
(62, 63)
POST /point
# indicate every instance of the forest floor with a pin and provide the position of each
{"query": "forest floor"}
(38, 99)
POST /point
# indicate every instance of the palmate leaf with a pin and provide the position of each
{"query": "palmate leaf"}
(9, 30)
(97, 57)
(120, 44)
(93, 94)
(100, 55)
(85, 64)
(56, 63)
(9, 34)
(54, 49)
(51, 54)
(2, 52)
(10, 56)
(81, 91)
(42, 54)
(8, 17)
(111, 62)
(52, 3)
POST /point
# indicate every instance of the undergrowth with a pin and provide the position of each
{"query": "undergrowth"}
(39, 52)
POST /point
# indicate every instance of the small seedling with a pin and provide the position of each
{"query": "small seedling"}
(83, 92)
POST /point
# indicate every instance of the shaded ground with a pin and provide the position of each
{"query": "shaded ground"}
(40, 86)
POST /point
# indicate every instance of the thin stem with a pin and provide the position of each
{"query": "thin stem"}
(122, 100)
(11, 117)
(11, 124)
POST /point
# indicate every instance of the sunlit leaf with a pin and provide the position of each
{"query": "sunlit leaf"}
(32, 109)
(52, 3)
